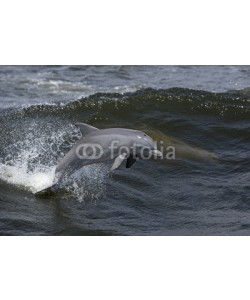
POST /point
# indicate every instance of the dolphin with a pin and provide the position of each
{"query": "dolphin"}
(103, 145)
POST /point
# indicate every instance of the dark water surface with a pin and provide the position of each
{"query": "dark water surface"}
(203, 111)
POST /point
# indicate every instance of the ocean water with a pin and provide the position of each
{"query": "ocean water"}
(202, 111)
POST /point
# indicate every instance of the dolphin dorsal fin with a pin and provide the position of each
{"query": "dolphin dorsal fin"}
(85, 128)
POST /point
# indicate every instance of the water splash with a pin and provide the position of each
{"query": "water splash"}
(89, 183)
(32, 152)
(30, 181)
(30, 157)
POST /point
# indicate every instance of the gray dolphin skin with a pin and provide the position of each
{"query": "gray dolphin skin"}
(103, 145)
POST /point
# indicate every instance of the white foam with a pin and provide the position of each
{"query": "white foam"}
(32, 181)
(30, 161)
(88, 183)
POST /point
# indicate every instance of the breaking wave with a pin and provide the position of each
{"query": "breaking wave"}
(34, 138)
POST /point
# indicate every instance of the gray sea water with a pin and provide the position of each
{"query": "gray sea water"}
(203, 111)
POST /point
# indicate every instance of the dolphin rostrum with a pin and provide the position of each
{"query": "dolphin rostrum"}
(103, 145)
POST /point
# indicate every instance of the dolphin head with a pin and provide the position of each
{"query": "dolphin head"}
(146, 147)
